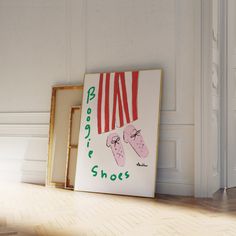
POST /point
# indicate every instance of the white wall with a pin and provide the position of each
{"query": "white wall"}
(36, 52)
(47, 42)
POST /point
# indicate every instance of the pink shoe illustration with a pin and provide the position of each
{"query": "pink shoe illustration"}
(135, 139)
(113, 142)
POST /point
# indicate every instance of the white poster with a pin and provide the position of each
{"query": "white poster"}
(118, 139)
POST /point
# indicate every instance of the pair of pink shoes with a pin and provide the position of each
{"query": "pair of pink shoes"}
(131, 136)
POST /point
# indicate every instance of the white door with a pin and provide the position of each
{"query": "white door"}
(231, 163)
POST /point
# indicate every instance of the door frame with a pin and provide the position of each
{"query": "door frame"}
(224, 92)
(202, 60)
(229, 62)
(204, 184)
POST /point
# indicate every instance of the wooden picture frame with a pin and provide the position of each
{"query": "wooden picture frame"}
(63, 98)
(72, 146)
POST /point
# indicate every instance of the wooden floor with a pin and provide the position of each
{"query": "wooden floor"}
(35, 210)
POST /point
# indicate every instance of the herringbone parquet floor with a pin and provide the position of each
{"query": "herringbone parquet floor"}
(35, 210)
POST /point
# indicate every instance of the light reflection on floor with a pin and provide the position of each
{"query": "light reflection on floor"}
(35, 210)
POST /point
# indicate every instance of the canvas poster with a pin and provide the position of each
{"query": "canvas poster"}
(118, 139)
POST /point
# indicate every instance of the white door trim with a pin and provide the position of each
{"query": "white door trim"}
(207, 180)
(224, 96)
(230, 166)
(202, 59)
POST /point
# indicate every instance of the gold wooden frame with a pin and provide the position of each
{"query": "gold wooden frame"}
(70, 146)
(49, 181)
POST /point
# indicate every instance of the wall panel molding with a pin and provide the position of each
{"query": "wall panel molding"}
(23, 157)
(23, 146)
(24, 130)
(184, 38)
(24, 124)
(176, 156)
(26, 118)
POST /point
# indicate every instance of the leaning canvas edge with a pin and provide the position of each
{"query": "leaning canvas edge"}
(77, 161)
(158, 132)
(49, 180)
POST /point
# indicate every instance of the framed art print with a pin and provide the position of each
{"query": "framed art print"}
(118, 141)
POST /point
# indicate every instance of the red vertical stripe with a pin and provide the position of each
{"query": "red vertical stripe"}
(120, 108)
(116, 87)
(134, 94)
(99, 107)
(107, 92)
(124, 93)
(116, 96)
